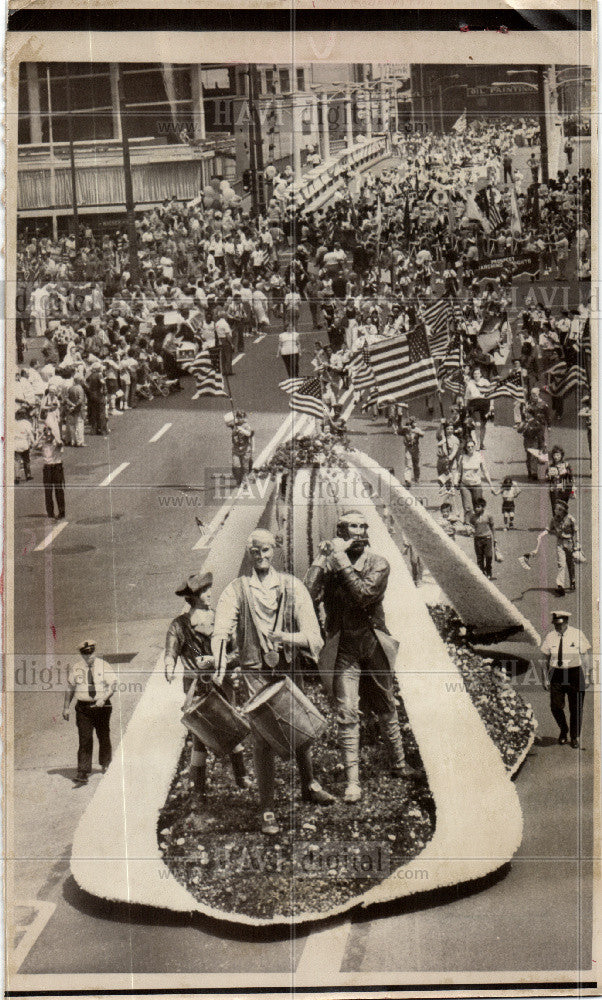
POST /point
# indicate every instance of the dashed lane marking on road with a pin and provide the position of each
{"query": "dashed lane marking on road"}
(51, 536)
(324, 950)
(261, 337)
(237, 358)
(113, 475)
(30, 932)
(159, 433)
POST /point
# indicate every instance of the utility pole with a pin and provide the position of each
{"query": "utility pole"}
(127, 178)
(543, 123)
(255, 145)
(55, 234)
(72, 159)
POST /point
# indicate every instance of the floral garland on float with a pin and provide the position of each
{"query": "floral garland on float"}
(465, 731)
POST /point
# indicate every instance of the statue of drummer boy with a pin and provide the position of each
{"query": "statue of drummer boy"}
(189, 638)
(271, 615)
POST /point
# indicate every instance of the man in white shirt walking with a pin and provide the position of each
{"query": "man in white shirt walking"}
(566, 652)
(92, 684)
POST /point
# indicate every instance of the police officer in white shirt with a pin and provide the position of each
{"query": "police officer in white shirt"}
(567, 654)
(91, 683)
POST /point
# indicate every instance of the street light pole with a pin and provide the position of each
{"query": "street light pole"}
(255, 145)
(127, 179)
(543, 123)
(72, 159)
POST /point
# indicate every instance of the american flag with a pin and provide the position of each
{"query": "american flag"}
(586, 338)
(210, 384)
(563, 379)
(290, 384)
(201, 364)
(308, 399)
(511, 386)
(403, 366)
(450, 368)
(360, 372)
(438, 317)
(485, 200)
(455, 381)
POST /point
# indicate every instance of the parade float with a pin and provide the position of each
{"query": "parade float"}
(465, 729)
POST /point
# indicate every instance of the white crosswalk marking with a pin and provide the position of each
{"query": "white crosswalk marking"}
(30, 931)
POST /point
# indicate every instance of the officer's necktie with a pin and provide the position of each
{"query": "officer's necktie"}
(560, 651)
(91, 685)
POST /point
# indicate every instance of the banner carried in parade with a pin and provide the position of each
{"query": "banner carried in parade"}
(524, 263)
(403, 367)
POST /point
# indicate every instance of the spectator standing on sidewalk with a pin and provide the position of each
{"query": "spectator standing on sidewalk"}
(23, 441)
(74, 413)
(53, 475)
(92, 684)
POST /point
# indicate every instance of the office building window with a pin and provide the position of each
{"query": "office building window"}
(300, 79)
(285, 80)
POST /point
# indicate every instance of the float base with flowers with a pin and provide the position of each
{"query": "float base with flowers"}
(465, 731)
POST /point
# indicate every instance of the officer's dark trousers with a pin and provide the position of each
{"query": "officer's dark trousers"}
(569, 684)
(91, 719)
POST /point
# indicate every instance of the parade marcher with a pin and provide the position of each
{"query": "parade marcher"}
(288, 349)
(566, 652)
(471, 472)
(412, 434)
(509, 491)
(477, 403)
(269, 611)
(560, 477)
(189, 640)
(568, 549)
(92, 684)
(350, 580)
(242, 446)
(484, 537)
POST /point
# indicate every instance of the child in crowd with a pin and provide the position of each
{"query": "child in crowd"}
(448, 520)
(509, 492)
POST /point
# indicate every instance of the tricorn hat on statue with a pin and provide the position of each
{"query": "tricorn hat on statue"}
(195, 584)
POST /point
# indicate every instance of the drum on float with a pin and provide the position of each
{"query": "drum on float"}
(217, 723)
(284, 717)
